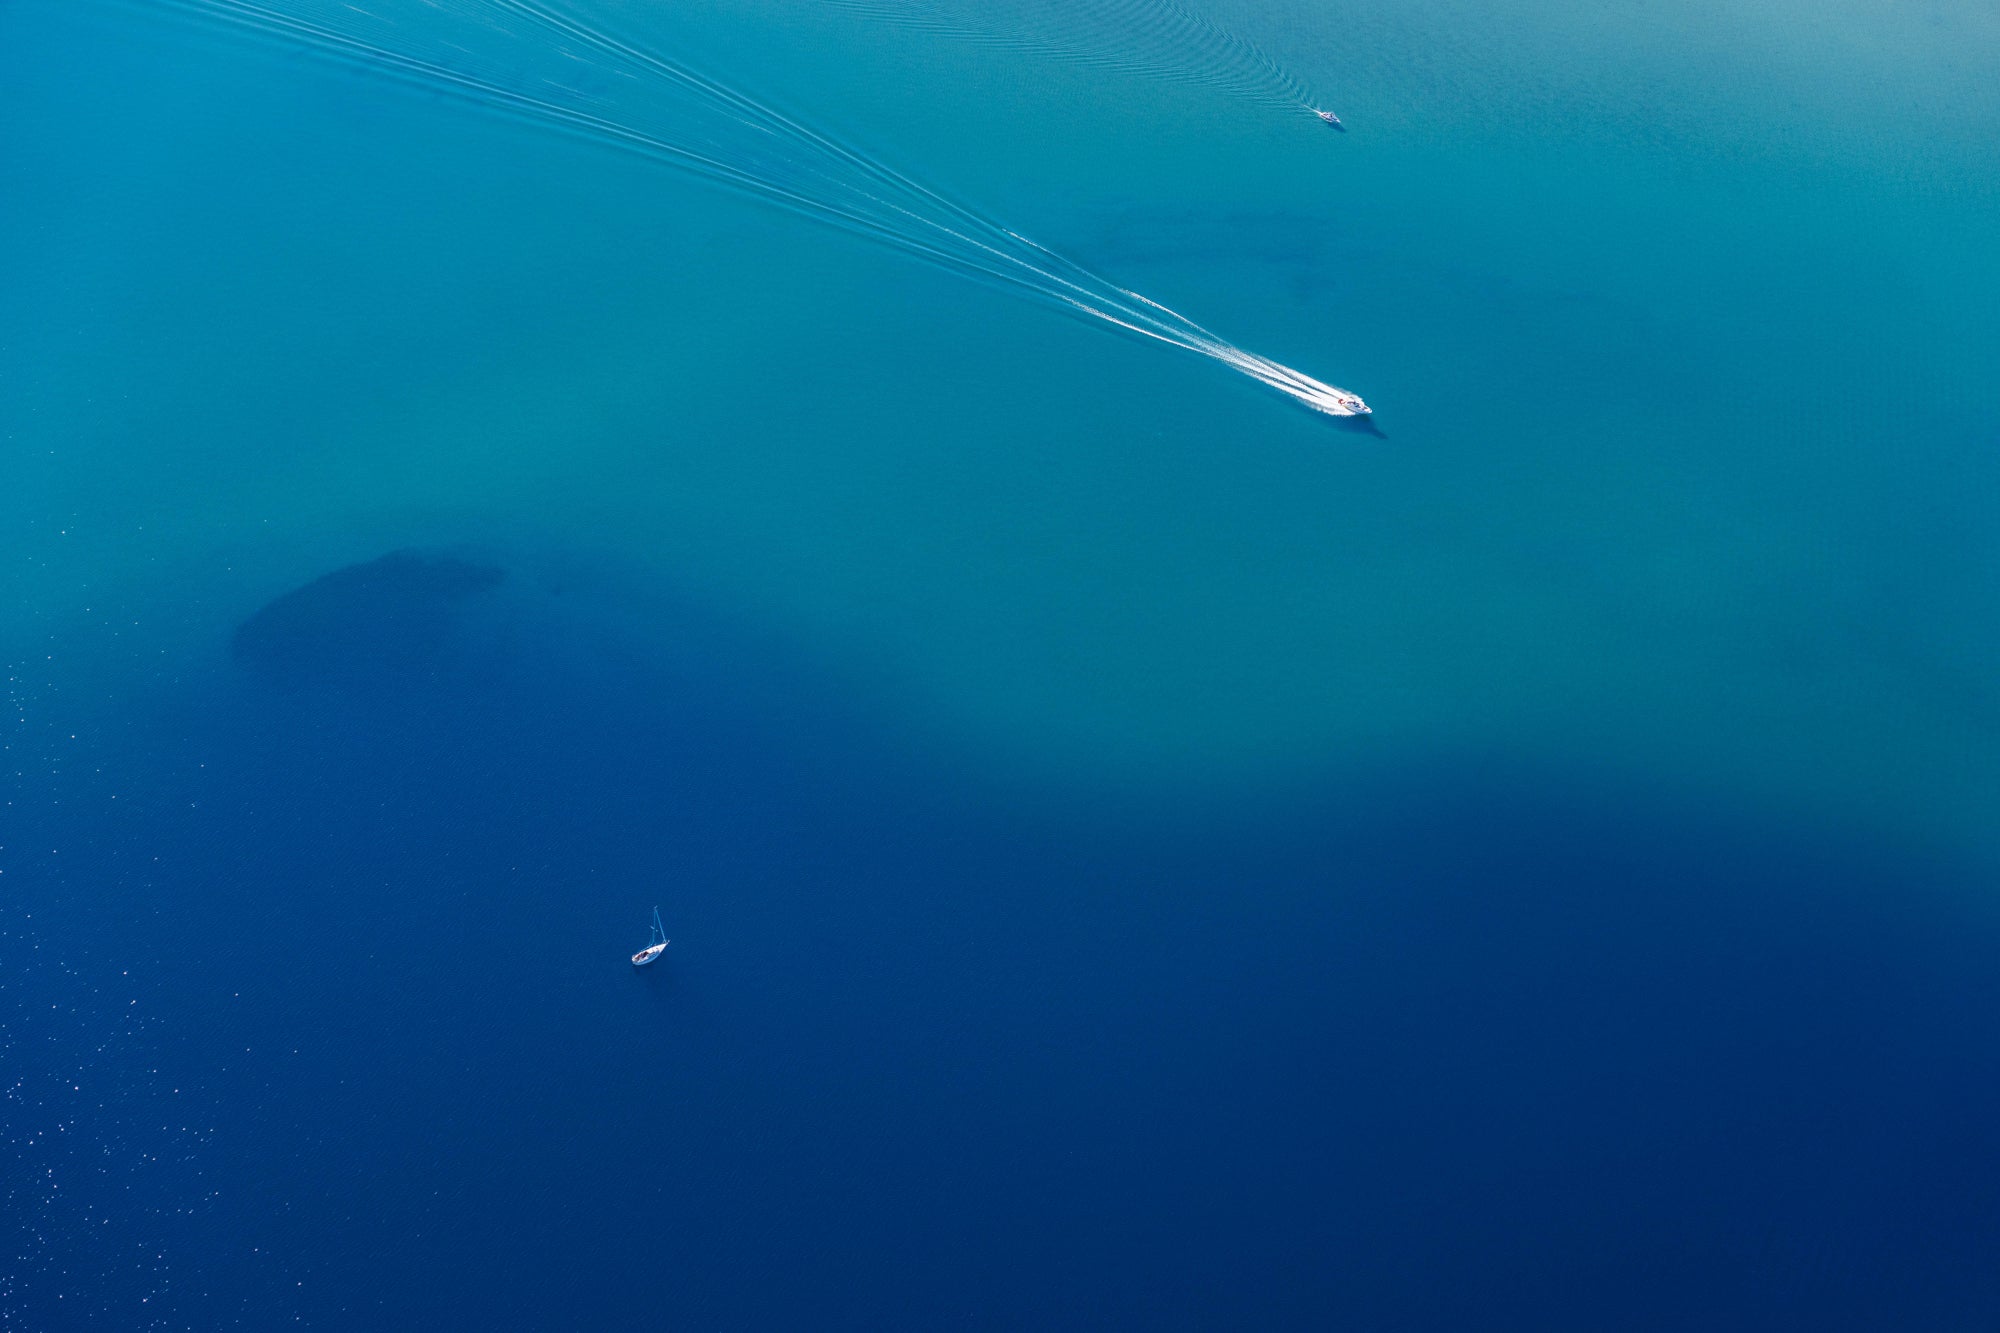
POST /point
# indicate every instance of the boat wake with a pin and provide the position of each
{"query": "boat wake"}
(544, 61)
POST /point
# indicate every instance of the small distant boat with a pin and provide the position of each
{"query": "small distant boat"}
(1330, 119)
(649, 955)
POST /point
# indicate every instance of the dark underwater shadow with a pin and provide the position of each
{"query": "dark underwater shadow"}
(565, 670)
(396, 619)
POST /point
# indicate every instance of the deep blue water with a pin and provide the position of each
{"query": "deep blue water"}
(326, 1016)
(1136, 856)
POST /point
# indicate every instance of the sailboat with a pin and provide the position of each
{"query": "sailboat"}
(656, 946)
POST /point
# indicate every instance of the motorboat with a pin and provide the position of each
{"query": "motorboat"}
(1330, 119)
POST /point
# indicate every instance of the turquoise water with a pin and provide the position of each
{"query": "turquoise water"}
(1679, 328)
(1676, 327)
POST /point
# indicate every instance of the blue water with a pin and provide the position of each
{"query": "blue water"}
(1137, 854)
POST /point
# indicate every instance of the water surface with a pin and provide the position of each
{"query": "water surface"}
(1137, 854)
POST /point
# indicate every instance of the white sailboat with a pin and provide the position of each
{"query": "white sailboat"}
(655, 947)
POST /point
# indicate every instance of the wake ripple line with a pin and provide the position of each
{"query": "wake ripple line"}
(914, 218)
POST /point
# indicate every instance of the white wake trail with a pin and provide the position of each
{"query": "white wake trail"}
(431, 43)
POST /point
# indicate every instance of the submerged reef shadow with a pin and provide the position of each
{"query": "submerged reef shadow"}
(395, 619)
(1308, 256)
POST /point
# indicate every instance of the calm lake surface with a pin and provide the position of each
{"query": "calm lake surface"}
(1138, 853)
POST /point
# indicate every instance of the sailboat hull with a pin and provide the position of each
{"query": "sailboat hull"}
(649, 955)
